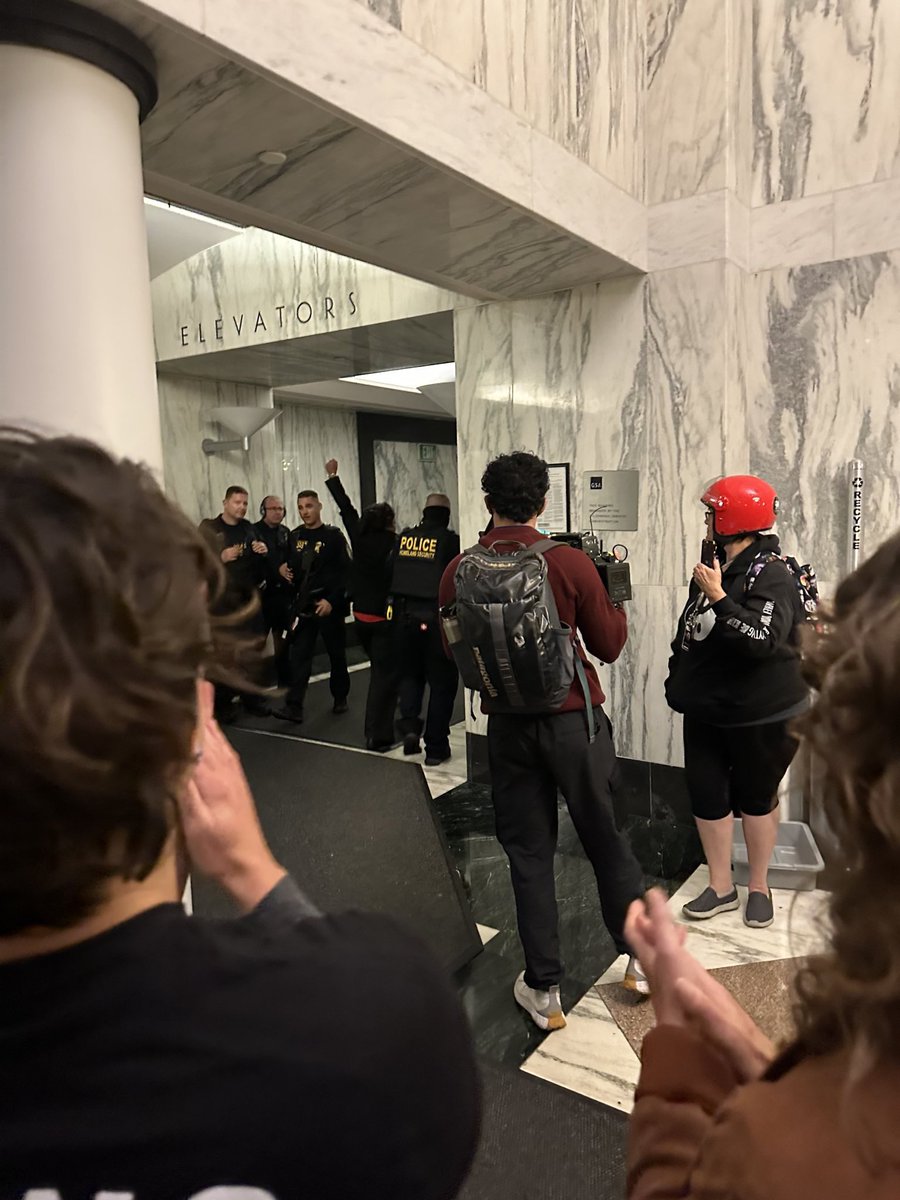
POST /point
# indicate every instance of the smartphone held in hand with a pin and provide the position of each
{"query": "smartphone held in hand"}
(708, 552)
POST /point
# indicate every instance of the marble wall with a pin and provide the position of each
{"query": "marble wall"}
(195, 481)
(823, 379)
(826, 93)
(640, 374)
(260, 288)
(572, 70)
(308, 436)
(686, 375)
(284, 457)
(405, 482)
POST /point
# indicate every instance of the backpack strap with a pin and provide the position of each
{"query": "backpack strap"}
(544, 546)
(501, 650)
(757, 565)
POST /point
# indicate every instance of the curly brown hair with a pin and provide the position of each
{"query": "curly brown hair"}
(850, 996)
(104, 627)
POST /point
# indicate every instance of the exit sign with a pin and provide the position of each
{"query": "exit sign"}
(427, 453)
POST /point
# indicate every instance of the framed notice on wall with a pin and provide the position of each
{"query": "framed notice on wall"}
(555, 518)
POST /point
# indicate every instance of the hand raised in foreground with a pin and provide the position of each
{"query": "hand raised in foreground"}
(331, 467)
(685, 994)
(221, 830)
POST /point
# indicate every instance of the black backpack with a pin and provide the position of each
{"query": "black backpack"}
(505, 633)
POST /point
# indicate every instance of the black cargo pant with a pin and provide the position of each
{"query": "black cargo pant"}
(532, 757)
(423, 659)
(303, 647)
(377, 639)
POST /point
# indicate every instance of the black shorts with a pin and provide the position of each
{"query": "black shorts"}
(735, 770)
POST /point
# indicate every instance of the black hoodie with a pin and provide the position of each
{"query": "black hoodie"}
(739, 662)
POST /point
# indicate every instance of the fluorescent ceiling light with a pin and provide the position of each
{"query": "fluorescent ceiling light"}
(189, 212)
(409, 379)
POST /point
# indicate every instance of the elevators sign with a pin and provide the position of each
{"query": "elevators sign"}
(611, 500)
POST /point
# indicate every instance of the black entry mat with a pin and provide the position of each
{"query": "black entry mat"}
(355, 831)
(320, 723)
(542, 1142)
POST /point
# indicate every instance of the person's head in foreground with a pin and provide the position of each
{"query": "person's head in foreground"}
(144, 1051)
(826, 1116)
(104, 633)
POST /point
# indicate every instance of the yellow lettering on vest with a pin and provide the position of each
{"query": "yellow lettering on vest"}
(418, 547)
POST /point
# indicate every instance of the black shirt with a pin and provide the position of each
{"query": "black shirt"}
(370, 571)
(736, 662)
(277, 539)
(247, 571)
(321, 566)
(325, 1057)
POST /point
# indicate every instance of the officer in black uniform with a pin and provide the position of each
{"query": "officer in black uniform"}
(275, 587)
(422, 554)
(232, 537)
(318, 568)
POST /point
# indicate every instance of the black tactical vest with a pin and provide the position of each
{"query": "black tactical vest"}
(422, 554)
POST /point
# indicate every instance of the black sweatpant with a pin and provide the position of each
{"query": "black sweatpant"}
(532, 757)
(423, 660)
(735, 770)
(377, 639)
(303, 647)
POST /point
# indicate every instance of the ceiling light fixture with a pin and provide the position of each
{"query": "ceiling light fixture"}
(272, 158)
(242, 420)
(407, 379)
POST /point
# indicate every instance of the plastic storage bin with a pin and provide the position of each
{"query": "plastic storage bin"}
(795, 863)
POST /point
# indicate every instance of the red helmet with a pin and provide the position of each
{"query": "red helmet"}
(741, 504)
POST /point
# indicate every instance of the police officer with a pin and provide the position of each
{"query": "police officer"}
(422, 554)
(318, 568)
(231, 536)
(275, 586)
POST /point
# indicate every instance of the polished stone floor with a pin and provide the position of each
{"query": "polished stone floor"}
(597, 1053)
(502, 1031)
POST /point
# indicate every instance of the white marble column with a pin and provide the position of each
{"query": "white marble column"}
(76, 336)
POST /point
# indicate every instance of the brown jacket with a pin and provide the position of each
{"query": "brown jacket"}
(697, 1135)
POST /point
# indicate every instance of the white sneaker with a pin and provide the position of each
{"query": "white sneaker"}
(635, 979)
(544, 1008)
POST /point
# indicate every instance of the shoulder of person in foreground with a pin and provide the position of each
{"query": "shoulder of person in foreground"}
(365, 1015)
(697, 1135)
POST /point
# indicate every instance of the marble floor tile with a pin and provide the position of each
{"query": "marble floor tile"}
(799, 929)
(591, 1056)
(486, 933)
(449, 775)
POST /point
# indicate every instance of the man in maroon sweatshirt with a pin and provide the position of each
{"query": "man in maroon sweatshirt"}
(532, 756)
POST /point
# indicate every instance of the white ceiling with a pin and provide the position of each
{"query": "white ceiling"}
(174, 234)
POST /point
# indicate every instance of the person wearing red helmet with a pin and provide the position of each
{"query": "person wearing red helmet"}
(735, 675)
